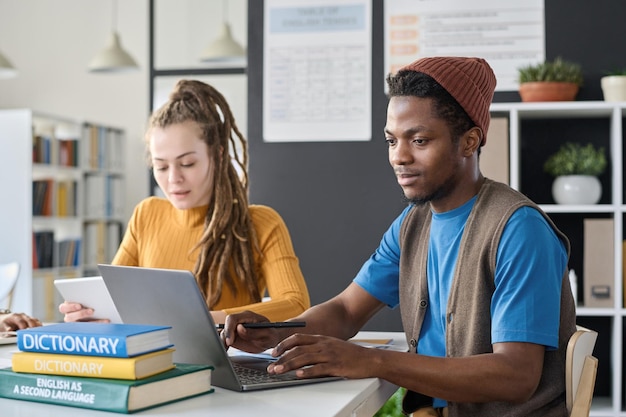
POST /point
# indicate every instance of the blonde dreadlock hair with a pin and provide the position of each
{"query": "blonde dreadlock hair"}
(229, 241)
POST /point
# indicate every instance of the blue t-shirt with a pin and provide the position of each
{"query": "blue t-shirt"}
(530, 262)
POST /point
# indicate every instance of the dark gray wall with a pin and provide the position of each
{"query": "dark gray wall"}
(338, 198)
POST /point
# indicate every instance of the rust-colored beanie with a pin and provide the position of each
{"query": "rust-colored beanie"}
(470, 81)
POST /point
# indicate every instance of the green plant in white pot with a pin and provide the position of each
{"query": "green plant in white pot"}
(576, 169)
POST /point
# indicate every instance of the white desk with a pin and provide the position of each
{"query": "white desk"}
(346, 398)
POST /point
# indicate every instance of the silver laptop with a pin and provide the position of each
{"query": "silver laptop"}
(172, 297)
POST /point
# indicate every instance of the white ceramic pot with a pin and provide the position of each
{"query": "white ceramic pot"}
(576, 189)
(614, 87)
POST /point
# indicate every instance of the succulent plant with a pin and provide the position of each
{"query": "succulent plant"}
(576, 159)
(557, 70)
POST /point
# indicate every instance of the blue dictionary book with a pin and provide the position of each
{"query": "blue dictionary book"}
(94, 339)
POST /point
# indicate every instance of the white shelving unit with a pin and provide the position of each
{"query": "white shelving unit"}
(47, 223)
(581, 112)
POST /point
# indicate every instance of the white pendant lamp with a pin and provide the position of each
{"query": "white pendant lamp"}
(223, 48)
(7, 70)
(113, 58)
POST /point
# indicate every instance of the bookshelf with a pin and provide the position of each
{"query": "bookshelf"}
(536, 130)
(62, 211)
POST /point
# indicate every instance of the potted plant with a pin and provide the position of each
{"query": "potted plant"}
(557, 80)
(576, 169)
(614, 85)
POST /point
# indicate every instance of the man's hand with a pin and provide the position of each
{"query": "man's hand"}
(313, 355)
(249, 340)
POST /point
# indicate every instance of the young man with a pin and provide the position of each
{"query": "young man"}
(479, 271)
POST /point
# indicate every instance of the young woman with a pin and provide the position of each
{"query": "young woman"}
(237, 251)
(15, 321)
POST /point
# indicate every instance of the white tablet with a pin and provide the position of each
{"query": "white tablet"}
(90, 292)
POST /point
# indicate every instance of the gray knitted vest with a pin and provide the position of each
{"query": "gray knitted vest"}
(468, 329)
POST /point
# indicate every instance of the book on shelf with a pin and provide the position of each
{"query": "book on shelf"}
(42, 197)
(95, 239)
(68, 152)
(114, 150)
(68, 252)
(66, 198)
(94, 339)
(136, 367)
(114, 196)
(113, 239)
(95, 195)
(43, 249)
(115, 395)
(42, 149)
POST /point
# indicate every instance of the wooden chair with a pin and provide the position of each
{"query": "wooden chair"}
(580, 372)
(8, 278)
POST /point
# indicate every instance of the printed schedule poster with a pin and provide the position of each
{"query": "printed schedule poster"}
(317, 76)
(508, 34)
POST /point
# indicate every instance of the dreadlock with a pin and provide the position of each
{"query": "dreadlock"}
(229, 241)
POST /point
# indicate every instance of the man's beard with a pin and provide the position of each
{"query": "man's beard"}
(440, 192)
(420, 201)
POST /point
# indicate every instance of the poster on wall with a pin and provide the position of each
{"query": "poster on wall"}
(317, 70)
(508, 34)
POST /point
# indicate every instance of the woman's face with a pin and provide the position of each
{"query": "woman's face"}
(181, 165)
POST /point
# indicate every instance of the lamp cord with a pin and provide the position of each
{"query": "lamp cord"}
(113, 15)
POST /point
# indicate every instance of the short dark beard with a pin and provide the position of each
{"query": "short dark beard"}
(420, 201)
(440, 192)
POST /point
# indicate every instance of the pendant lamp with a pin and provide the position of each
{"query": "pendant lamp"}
(113, 58)
(223, 48)
(7, 70)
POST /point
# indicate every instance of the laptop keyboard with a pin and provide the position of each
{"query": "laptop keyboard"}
(249, 376)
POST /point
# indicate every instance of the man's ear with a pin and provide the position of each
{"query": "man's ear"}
(473, 139)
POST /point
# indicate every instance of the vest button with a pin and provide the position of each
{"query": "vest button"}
(423, 304)
(413, 342)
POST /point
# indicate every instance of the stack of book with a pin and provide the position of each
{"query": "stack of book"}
(113, 367)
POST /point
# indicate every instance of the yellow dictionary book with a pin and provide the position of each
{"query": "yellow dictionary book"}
(136, 367)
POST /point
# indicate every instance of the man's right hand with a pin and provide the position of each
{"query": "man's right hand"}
(249, 340)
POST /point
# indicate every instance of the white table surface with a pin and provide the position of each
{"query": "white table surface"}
(345, 398)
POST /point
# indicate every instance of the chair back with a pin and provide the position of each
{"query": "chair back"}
(8, 278)
(580, 371)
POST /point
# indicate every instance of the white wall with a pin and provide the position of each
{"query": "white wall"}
(51, 42)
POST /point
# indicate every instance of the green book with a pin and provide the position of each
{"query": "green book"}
(116, 395)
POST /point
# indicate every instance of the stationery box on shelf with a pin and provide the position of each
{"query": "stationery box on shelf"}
(599, 274)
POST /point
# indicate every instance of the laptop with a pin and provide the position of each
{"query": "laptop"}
(172, 297)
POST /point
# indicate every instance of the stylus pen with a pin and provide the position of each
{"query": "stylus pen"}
(269, 324)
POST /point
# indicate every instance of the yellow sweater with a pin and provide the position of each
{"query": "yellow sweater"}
(161, 236)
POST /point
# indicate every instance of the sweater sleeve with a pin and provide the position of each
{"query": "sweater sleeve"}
(128, 253)
(280, 269)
